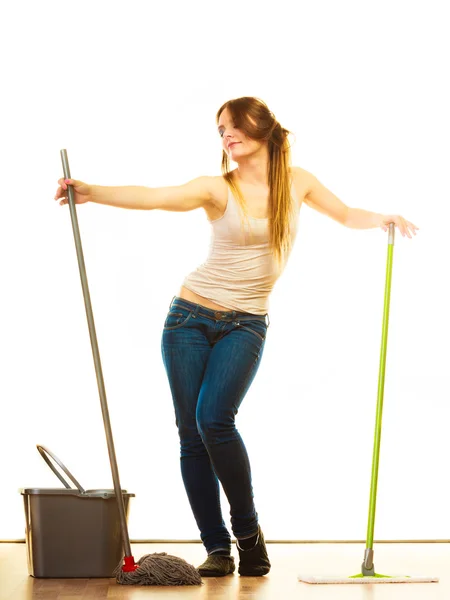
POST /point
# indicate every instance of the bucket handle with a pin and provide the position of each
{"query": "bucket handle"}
(44, 451)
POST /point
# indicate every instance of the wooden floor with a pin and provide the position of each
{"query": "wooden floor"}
(288, 560)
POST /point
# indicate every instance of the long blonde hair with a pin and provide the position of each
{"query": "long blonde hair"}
(253, 117)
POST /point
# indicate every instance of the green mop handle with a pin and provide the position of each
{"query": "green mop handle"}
(96, 354)
(368, 558)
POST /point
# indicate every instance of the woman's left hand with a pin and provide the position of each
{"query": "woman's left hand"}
(403, 225)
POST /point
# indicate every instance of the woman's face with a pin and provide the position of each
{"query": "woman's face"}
(234, 141)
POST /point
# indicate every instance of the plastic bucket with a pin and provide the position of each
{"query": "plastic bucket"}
(72, 532)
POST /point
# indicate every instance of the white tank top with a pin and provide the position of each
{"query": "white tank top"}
(240, 271)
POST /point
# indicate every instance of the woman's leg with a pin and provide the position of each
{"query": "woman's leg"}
(185, 352)
(230, 370)
(211, 363)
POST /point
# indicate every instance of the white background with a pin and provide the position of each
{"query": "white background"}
(131, 91)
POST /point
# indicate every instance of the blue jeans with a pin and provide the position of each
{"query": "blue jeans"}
(211, 359)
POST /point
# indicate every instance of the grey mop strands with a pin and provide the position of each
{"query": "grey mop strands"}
(368, 574)
(151, 569)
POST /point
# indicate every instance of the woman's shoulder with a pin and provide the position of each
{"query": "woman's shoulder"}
(218, 185)
(218, 194)
(302, 179)
(218, 188)
(301, 174)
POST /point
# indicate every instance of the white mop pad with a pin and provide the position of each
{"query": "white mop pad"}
(366, 579)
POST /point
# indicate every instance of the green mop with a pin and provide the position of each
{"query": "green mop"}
(368, 574)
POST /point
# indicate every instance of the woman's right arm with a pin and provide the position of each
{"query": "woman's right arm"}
(195, 194)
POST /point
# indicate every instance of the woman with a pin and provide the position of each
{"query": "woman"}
(215, 331)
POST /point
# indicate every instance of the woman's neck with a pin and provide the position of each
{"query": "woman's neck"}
(253, 170)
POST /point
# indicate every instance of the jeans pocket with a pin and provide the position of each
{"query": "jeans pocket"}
(258, 328)
(177, 318)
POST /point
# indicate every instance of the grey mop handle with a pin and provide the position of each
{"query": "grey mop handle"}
(96, 354)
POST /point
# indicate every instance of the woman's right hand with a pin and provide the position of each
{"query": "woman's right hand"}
(82, 191)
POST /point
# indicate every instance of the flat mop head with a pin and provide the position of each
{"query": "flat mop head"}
(367, 579)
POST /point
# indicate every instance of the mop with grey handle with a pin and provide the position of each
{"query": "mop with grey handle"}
(151, 569)
(368, 574)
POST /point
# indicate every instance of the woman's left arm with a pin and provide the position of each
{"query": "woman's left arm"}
(320, 198)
